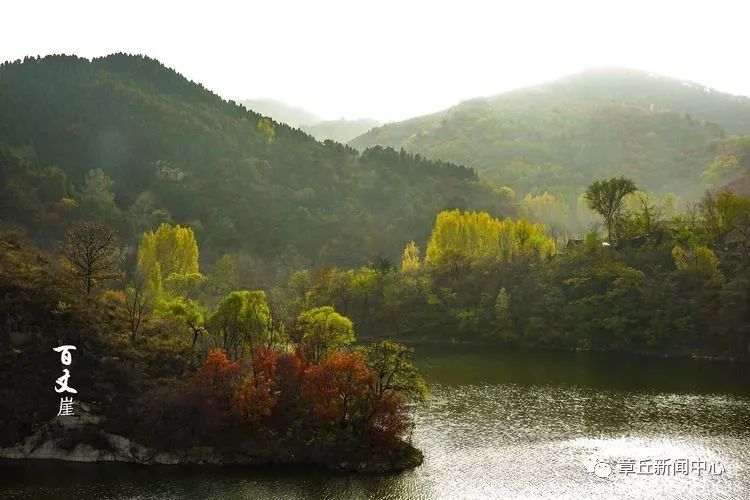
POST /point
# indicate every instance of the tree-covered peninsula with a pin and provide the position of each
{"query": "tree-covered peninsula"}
(162, 378)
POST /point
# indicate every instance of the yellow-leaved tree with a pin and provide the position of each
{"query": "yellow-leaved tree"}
(410, 260)
(479, 236)
(169, 254)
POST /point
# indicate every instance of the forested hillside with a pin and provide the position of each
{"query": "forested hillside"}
(127, 141)
(561, 136)
(126, 144)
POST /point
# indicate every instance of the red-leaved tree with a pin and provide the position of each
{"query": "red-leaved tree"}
(389, 418)
(257, 396)
(338, 388)
(217, 380)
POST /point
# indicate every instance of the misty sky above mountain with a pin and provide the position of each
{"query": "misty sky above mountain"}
(392, 60)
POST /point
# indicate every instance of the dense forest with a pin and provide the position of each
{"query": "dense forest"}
(559, 137)
(132, 143)
(155, 368)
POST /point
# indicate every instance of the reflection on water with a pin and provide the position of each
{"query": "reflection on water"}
(536, 444)
(498, 425)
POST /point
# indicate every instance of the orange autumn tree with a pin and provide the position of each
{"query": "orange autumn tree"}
(217, 379)
(338, 388)
(258, 395)
(366, 391)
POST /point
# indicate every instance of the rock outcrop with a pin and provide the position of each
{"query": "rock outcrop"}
(79, 438)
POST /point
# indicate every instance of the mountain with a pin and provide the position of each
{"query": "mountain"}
(560, 136)
(125, 140)
(281, 112)
(340, 130)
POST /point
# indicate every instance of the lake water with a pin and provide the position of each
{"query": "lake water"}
(499, 424)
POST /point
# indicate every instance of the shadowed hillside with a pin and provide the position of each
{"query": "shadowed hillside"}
(132, 143)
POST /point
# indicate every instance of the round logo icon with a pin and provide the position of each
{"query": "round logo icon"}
(602, 469)
(590, 463)
(597, 466)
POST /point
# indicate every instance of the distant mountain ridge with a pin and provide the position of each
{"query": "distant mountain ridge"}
(559, 136)
(294, 116)
(638, 88)
(341, 130)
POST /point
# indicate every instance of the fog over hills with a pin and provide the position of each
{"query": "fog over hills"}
(294, 116)
(341, 130)
(561, 135)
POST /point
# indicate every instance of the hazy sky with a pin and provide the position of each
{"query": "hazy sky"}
(391, 59)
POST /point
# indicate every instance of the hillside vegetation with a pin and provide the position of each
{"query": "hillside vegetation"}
(561, 136)
(127, 141)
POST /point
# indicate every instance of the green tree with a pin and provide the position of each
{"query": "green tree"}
(382, 265)
(242, 319)
(697, 260)
(184, 285)
(364, 286)
(321, 331)
(394, 370)
(188, 312)
(606, 196)
(645, 212)
(724, 212)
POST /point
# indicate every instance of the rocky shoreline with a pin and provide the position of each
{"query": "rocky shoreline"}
(79, 439)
